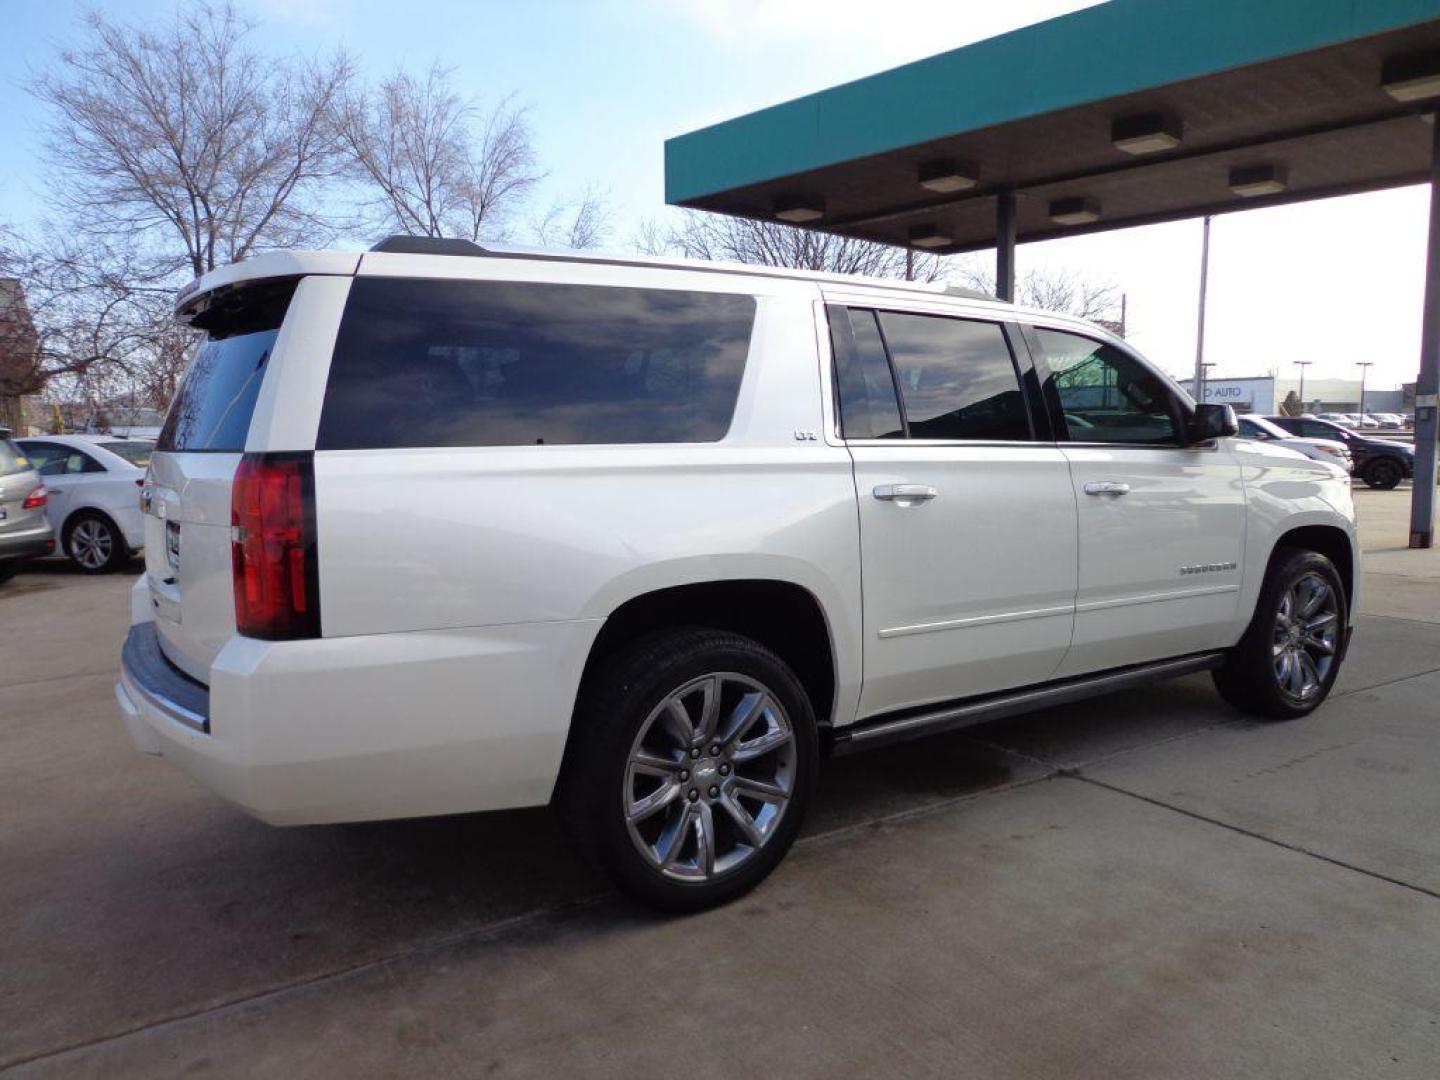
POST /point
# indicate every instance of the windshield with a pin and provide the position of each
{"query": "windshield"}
(135, 451)
(12, 458)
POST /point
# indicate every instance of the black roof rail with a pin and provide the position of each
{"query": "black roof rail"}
(428, 245)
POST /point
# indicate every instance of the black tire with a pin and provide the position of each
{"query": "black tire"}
(94, 544)
(1383, 474)
(8, 569)
(1250, 679)
(624, 703)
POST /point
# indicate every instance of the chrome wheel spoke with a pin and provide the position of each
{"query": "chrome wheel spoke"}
(1318, 644)
(743, 717)
(763, 790)
(654, 802)
(1297, 673)
(709, 711)
(704, 839)
(1316, 594)
(747, 825)
(672, 840)
(651, 764)
(678, 723)
(1283, 664)
(772, 740)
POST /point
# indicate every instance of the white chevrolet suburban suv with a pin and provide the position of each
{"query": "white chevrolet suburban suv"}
(435, 528)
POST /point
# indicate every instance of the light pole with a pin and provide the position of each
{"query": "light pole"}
(1302, 365)
(1204, 369)
(1364, 366)
(1200, 328)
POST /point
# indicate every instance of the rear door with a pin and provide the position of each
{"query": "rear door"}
(967, 518)
(1162, 525)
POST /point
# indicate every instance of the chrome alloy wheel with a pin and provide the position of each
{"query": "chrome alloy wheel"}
(91, 543)
(1307, 627)
(709, 777)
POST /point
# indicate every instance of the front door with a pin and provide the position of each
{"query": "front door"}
(967, 520)
(1162, 525)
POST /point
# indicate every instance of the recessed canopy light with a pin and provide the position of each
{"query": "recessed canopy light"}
(1074, 211)
(1147, 133)
(947, 175)
(1251, 181)
(929, 236)
(798, 208)
(1414, 77)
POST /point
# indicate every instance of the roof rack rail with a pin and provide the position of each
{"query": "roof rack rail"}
(968, 294)
(428, 245)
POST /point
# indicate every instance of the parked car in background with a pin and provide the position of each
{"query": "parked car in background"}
(24, 525)
(432, 530)
(1389, 421)
(1381, 463)
(94, 483)
(1331, 450)
(1343, 419)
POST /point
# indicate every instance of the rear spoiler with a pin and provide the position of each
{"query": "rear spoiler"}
(193, 298)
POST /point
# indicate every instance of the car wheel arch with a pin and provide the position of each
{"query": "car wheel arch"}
(1329, 540)
(784, 616)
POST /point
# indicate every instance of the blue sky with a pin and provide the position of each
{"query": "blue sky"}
(607, 81)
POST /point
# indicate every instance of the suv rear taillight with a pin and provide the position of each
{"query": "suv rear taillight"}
(37, 498)
(272, 547)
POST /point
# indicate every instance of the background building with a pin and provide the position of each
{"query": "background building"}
(1266, 393)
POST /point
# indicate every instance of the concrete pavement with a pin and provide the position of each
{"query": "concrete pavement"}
(1146, 885)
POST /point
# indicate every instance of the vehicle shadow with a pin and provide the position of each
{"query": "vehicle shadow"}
(202, 905)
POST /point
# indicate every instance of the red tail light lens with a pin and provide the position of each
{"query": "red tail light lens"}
(39, 497)
(272, 547)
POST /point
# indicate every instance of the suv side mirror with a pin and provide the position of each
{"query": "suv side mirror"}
(1211, 422)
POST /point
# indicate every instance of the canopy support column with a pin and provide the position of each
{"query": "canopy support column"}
(1422, 499)
(1005, 246)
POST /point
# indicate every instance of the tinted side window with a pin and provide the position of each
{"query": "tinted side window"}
(43, 455)
(494, 363)
(868, 409)
(957, 378)
(1312, 429)
(1105, 394)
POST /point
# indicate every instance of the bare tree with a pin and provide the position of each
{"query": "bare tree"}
(700, 235)
(85, 317)
(580, 223)
(433, 164)
(183, 140)
(1054, 290)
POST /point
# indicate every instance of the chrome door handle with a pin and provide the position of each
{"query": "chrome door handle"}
(905, 492)
(1106, 487)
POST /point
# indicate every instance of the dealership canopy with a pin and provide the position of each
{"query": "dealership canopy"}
(1128, 113)
(1132, 112)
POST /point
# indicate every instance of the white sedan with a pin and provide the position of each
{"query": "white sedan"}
(94, 484)
(1331, 450)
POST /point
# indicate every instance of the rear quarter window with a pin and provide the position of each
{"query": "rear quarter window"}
(212, 410)
(422, 363)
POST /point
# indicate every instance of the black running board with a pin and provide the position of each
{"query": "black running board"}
(914, 723)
